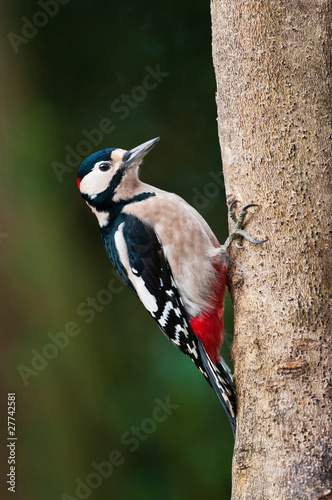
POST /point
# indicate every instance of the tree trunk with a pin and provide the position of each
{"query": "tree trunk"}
(273, 77)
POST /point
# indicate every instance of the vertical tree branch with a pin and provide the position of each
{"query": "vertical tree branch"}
(272, 63)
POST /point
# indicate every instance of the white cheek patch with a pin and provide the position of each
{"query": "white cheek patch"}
(148, 300)
(96, 181)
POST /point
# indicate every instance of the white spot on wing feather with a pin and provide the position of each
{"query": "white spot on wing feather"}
(163, 318)
(177, 312)
(192, 350)
(177, 339)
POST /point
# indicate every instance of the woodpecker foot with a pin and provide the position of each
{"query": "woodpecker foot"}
(237, 233)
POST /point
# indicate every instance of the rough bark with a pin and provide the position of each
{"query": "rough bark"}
(273, 72)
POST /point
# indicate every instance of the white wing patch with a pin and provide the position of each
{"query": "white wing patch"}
(148, 300)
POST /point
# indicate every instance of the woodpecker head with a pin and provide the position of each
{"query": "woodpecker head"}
(101, 175)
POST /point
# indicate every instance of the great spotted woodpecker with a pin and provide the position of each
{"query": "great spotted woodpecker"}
(167, 255)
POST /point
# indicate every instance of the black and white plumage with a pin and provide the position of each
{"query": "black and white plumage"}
(167, 255)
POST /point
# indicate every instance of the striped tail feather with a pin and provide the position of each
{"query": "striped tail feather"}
(220, 378)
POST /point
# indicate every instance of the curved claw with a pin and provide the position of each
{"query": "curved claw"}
(238, 231)
(258, 242)
(230, 206)
(243, 234)
(248, 206)
(231, 212)
(244, 209)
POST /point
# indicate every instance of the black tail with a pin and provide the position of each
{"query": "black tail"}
(221, 379)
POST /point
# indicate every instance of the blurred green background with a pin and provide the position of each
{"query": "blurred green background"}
(68, 68)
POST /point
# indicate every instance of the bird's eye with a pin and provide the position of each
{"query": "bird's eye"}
(104, 167)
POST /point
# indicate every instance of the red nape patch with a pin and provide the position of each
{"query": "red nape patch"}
(78, 183)
(209, 325)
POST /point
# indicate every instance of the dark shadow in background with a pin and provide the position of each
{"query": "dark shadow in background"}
(87, 363)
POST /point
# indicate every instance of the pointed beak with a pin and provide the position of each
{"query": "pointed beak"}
(138, 153)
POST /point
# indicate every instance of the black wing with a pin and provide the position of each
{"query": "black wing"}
(149, 266)
(147, 272)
